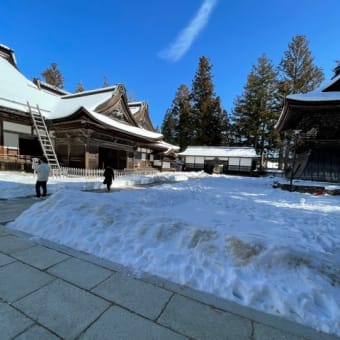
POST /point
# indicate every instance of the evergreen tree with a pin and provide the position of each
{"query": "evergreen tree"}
(106, 82)
(257, 109)
(53, 76)
(176, 126)
(182, 103)
(298, 74)
(170, 127)
(79, 88)
(209, 120)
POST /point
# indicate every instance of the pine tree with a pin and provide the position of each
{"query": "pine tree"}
(53, 76)
(209, 119)
(79, 88)
(257, 109)
(106, 82)
(298, 74)
(182, 102)
(176, 126)
(170, 127)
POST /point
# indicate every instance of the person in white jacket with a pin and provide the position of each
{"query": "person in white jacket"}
(42, 171)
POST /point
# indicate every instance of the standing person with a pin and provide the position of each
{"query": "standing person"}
(42, 171)
(109, 177)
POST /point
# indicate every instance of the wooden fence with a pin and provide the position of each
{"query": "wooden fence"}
(93, 173)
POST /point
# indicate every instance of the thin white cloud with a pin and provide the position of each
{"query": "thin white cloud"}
(181, 45)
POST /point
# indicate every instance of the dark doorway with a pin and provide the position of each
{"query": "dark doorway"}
(116, 159)
(30, 147)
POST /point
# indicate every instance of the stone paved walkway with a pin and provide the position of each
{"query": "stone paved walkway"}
(48, 291)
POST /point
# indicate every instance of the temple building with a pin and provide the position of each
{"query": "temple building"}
(220, 159)
(313, 122)
(90, 129)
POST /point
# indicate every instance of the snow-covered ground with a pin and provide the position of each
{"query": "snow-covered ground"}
(235, 237)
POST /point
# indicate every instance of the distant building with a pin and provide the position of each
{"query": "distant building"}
(89, 129)
(314, 119)
(219, 159)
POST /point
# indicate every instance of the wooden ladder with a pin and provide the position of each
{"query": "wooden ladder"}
(44, 137)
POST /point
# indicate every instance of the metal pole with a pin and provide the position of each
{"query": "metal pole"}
(292, 170)
(296, 134)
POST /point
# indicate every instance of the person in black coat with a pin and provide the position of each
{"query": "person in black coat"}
(109, 177)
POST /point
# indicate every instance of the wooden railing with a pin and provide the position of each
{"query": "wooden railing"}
(92, 173)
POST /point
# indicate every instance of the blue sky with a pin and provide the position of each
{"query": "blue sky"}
(153, 46)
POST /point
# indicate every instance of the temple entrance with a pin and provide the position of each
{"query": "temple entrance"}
(117, 159)
(30, 147)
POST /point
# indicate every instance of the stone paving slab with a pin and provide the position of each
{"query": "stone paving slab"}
(117, 323)
(12, 322)
(80, 273)
(62, 308)
(200, 321)
(272, 321)
(18, 280)
(11, 209)
(3, 230)
(10, 244)
(37, 333)
(40, 257)
(4, 259)
(262, 332)
(139, 296)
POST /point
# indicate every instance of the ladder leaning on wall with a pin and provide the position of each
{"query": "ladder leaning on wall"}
(44, 137)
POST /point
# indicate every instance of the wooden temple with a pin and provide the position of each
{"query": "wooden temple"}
(312, 121)
(90, 129)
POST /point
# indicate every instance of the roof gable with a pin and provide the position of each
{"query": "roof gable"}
(140, 111)
(117, 107)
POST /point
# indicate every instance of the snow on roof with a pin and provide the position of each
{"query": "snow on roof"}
(45, 86)
(134, 109)
(219, 151)
(131, 130)
(6, 47)
(315, 96)
(169, 147)
(320, 94)
(10, 52)
(333, 81)
(136, 103)
(17, 90)
(70, 103)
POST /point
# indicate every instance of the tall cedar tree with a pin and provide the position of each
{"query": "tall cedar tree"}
(169, 127)
(298, 74)
(183, 103)
(257, 110)
(106, 82)
(79, 88)
(209, 120)
(176, 126)
(53, 76)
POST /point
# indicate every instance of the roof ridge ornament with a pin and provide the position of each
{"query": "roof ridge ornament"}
(336, 69)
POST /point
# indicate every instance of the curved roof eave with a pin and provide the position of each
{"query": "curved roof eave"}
(290, 110)
(283, 115)
(117, 126)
